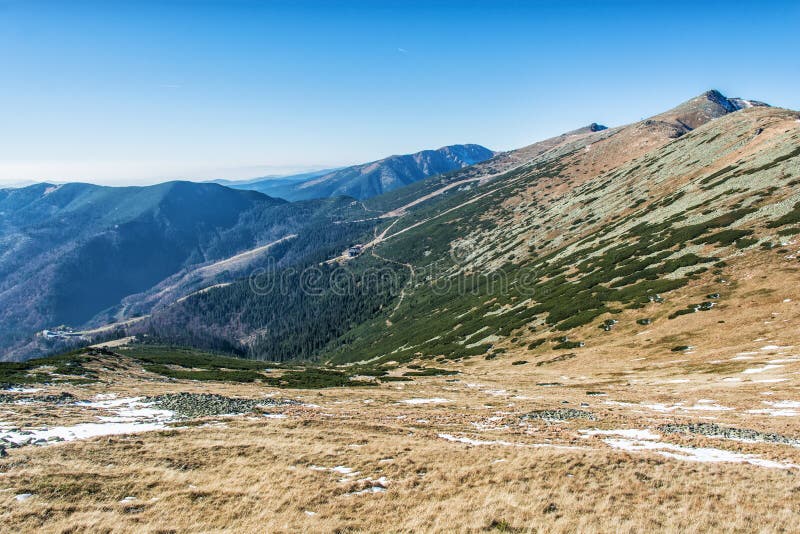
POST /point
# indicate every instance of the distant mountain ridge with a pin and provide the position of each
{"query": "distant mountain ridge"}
(273, 178)
(374, 178)
(181, 253)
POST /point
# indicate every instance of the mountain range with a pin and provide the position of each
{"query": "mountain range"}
(586, 229)
(583, 229)
(84, 255)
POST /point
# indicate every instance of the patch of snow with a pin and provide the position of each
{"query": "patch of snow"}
(753, 370)
(774, 412)
(783, 404)
(127, 409)
(708, 405)
(131, 416)
(645, 440)
(371, 489)
(383, 481)
(658, 407)
(79, 431)
(483, 427)
(701, 405)
(23, 496)
(275, 415)
(436, 400)
(695, 454)
(770, 380)
(343, 470)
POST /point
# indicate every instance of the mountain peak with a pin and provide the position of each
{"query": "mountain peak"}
(589, 128)
(705, 107)
(730, 104)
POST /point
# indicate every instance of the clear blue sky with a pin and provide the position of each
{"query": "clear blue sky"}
(141, 91)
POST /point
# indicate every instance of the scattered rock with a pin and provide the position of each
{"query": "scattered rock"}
(206, 404)
(715, 431)
(563, 414)
(608, 324)
(61, 398)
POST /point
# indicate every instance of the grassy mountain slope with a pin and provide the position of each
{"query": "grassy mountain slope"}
(589, 227)
(580, 235)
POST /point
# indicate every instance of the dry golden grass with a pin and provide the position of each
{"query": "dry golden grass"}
(253, 474)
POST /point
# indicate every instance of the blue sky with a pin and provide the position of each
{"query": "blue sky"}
(143, 91)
